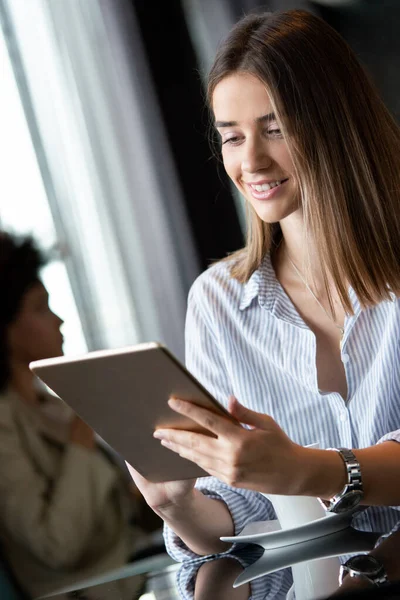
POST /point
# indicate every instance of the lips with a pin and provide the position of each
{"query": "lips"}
(266, 190)
(264, 186)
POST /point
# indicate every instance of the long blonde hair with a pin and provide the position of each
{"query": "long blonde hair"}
(345, 147)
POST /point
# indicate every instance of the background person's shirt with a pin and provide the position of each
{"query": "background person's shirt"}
(249, 341)
(65, 511)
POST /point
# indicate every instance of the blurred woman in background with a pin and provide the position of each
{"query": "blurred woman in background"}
(68, 511)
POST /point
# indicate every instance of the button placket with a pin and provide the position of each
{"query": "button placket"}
(345, 426)
(346, 361)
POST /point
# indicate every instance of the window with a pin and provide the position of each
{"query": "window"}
(23, 201)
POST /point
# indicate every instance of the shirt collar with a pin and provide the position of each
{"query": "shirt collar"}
(260, 283)
(264, 285)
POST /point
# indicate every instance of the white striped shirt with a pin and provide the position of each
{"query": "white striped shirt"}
(249, 340)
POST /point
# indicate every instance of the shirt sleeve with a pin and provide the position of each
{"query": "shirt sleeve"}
(393, 436)
(393, 410)
(270, 587)
(383, 537)
(204, 361)
(245, 507)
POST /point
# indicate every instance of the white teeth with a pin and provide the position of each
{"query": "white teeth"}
(266, 186)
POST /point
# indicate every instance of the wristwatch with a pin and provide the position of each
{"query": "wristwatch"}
(365, 566)
(352, 493)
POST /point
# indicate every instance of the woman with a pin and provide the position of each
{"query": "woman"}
(303, 325)
(66, 507)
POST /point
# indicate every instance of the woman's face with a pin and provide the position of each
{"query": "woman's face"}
(254, 153)
(35, 332)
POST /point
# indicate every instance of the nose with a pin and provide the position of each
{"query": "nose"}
(255, 156)
(59, 320)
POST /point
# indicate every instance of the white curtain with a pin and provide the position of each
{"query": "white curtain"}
(106, 165)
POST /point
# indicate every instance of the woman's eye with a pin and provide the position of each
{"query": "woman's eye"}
(234, 140)
(274, 132)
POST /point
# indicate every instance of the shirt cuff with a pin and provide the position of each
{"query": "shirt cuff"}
(269, 587)
(383, 537)
(245, 506)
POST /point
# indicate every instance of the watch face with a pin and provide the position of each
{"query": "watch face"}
(349, 501)
(365, 564)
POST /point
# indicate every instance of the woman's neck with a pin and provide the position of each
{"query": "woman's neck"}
(301, 250)
(22, 381)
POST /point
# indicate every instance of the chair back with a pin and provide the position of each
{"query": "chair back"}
(9, 589)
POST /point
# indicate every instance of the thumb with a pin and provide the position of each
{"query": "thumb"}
(245, 415)
(136, 476)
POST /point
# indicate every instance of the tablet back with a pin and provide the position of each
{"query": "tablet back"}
(122, 394)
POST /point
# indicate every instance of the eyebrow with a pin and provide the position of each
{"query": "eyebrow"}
(263, 119)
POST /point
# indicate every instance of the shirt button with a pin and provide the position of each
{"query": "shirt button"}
(343, 416)
(345, 358)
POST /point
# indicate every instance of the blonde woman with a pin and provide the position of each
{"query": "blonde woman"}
(299, 332)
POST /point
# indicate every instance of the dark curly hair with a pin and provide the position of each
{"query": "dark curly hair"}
(20, 264)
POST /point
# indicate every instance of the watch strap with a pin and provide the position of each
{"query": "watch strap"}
(354, 478)
(352, 467)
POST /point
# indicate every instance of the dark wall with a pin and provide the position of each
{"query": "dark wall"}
(173, 64)
(372, 28)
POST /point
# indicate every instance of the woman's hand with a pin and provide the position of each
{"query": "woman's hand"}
(162, 496)
(81, 434)
(262, 458)
(351, 584)
(198, 520)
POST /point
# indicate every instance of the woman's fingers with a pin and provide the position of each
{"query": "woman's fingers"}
(217, 424)
(197, 443)
(245, 415)
(235, 455)
(210, 464)
(217, 458)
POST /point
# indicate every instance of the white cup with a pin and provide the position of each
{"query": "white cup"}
(311, 579)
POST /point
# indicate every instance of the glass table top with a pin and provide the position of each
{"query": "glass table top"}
(155, 579)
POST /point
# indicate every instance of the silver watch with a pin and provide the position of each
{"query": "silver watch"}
(366, 567)
(352, 493)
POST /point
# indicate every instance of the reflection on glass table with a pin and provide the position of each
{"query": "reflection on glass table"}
(148, 579)
(154, 579)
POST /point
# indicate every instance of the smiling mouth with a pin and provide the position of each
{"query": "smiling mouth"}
(265, 187)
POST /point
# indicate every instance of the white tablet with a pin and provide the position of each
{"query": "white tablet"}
(122, 394)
